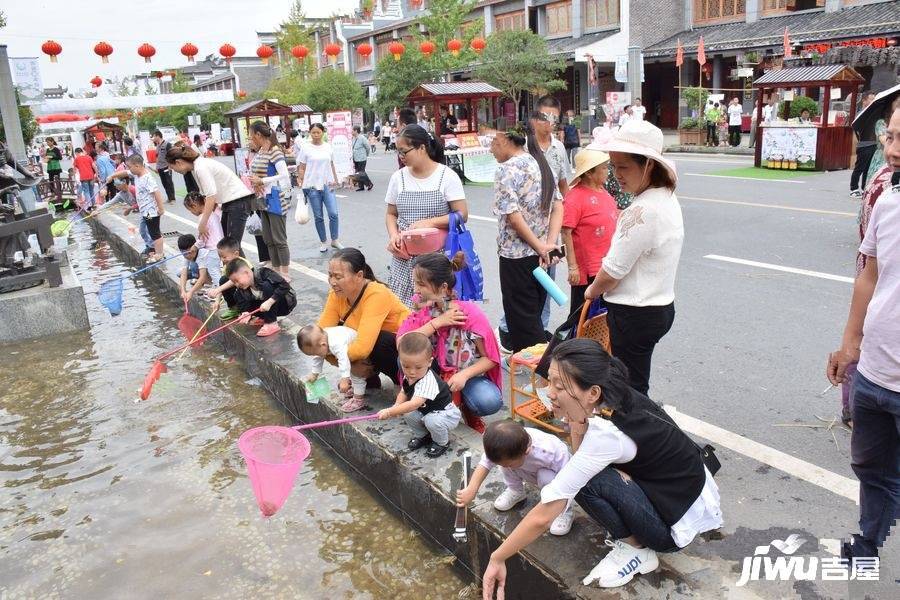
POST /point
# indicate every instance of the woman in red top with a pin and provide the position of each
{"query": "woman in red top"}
(589, 221)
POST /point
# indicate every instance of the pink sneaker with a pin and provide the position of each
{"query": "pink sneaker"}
(268, 329)
(354, 404)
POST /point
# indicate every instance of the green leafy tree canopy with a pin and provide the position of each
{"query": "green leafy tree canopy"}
(518, 61)
(333, 90)
(444, 21)
(395, 79)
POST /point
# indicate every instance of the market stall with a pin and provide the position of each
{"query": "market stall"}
(824, 142)
(468, 98)
(269, 111)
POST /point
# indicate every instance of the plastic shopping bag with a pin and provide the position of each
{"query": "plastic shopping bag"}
(469, 281)
(301, 212)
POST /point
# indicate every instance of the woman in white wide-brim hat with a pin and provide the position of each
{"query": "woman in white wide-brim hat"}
(637, 277)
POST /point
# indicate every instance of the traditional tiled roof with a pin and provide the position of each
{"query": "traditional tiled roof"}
(808, 74)
(807, 26)
(459, 87)
(568, 45)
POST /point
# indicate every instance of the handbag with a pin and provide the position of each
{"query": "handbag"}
(301, 213)
(470, 280)
(423, 241)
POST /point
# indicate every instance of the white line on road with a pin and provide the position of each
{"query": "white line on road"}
(745, 178)
(795, 271)
(480, 218)
(840, 485)
(777, 206)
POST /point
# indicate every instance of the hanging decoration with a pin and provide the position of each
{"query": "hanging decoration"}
(427, 48)
(364, 49)
(227, 51)
(265, 53)
(332, 50)
(190, 51)
(396, 49)
(103, 50)
(478, 44)
(300, 52)
(454, 46)
(51, 49)
(242, 94)
(416, 3)
(158, 74)
(96, 81)
(146, 51)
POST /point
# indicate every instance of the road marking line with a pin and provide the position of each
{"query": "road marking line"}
(480, 218)
(795, 271)
(778, 206)
(840, 485)
(745, 178)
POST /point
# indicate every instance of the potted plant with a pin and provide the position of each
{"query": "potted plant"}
(690, 132)
(751, 59)
(367, 7)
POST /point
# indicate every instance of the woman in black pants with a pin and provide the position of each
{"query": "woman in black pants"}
(637, 278)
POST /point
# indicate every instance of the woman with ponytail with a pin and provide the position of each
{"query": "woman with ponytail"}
(633, 471)
(359, 301)
(525, 202)
(465, 347)
(272, 182)
(421, 194)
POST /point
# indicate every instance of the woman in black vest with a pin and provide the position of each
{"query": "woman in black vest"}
(633, 471)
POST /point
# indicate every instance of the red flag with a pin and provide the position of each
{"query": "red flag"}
(788, 52)
(701, 53)
(679, 54)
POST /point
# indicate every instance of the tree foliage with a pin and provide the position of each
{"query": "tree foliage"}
(518, 61)
(334, 90)
(395, 79)
(443, 21)
(29, 125)
(801, 103)
(291, 33)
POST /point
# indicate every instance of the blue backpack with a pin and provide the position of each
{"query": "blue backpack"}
(469, 281)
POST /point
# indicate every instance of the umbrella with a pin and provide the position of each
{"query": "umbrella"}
(864, 123)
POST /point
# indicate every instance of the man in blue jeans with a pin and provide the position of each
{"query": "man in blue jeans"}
(872, 337)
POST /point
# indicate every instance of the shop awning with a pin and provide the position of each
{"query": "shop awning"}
(569, 46)
(866, 21)
(800, 76)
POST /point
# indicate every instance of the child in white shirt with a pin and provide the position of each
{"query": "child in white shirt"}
(318, 343)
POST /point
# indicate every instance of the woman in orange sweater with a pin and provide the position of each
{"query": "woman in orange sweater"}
(360, 302)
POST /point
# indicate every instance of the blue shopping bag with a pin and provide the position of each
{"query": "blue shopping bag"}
(469, 281)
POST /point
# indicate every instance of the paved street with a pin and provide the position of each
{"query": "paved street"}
(746, 354)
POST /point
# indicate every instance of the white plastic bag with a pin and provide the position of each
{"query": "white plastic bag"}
(301, 212)
(254, 225)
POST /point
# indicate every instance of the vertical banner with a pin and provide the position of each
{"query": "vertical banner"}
(358, 118)
(26, 74)
(340, 128)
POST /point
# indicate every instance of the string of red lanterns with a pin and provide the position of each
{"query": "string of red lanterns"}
(332, 50)
(227, 51)
(396, 49)
(52, 49)
(478, 44)
(454, 46)
(364, 49)
(190, 51)
(103, 50)
(146, 51)
(300, 52)
(426, 48)
(265, 53)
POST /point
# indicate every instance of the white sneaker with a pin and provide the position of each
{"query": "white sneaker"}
(503, 350)
(323, 248)
(621, 565)
(563, 523)
(509, 498)
(856, 194)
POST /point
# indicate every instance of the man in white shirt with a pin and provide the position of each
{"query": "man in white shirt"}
(770, 110)
(735, 115)
(625, 116)
(638, 112)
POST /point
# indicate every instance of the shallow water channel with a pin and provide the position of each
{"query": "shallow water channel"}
(105, 497)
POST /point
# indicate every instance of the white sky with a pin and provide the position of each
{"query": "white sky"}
(79, 24)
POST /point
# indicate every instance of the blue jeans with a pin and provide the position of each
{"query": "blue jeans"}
(481, 396)
(145, 235)
(316, 199)
(624, 510)
(875, 458)
(87, 190)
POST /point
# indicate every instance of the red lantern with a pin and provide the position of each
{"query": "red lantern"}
(300, 52)
(364, 49)
(158, 74)
(227, 51)
(454, 46)
(190, 51)
(478, 44)
(415, 3)
(96, 81)
(52, 49)
(242, 94)
(146, 51)
(103, 50)
(396, 49)
(265, 53)
(332, 50)
(426, 48)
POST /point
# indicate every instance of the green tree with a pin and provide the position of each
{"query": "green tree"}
(288, 88)
(29, 125)
(333, 90)
(180, 83)
(518, 61)
(125, 86)
(293, 32)
(801, 103)
(444, 21)
(395, 79)
(2, 20)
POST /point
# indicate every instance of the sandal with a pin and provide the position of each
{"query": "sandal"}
(354, 404)
(268, 329)
(416, 443)
(435, 450)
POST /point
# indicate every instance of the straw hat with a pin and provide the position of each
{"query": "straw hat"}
(587, 159)
(643, 138)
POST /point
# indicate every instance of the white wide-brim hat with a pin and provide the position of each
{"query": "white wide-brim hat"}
(643, 138)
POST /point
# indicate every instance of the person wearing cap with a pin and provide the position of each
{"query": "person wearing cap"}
(589, 221)
(637, 277)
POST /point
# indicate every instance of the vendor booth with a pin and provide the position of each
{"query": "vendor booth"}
(825, 141)
(271, 112)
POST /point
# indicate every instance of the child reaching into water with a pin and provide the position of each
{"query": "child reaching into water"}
(525, 455)
(192, 273)
(228, 250)
(316, 342)
(264, 289)
(424, 400)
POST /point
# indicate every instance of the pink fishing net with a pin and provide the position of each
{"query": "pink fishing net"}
(274, 456)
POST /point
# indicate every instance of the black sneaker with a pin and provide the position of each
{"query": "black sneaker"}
(435, 450)
(416, 443)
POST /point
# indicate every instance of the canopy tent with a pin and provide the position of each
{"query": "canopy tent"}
(264, 109)
(829, 143)
(107, 131)
(437, 95)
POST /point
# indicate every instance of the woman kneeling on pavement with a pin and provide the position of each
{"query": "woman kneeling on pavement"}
(359, 301)
(633, 471)
(465, 347)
